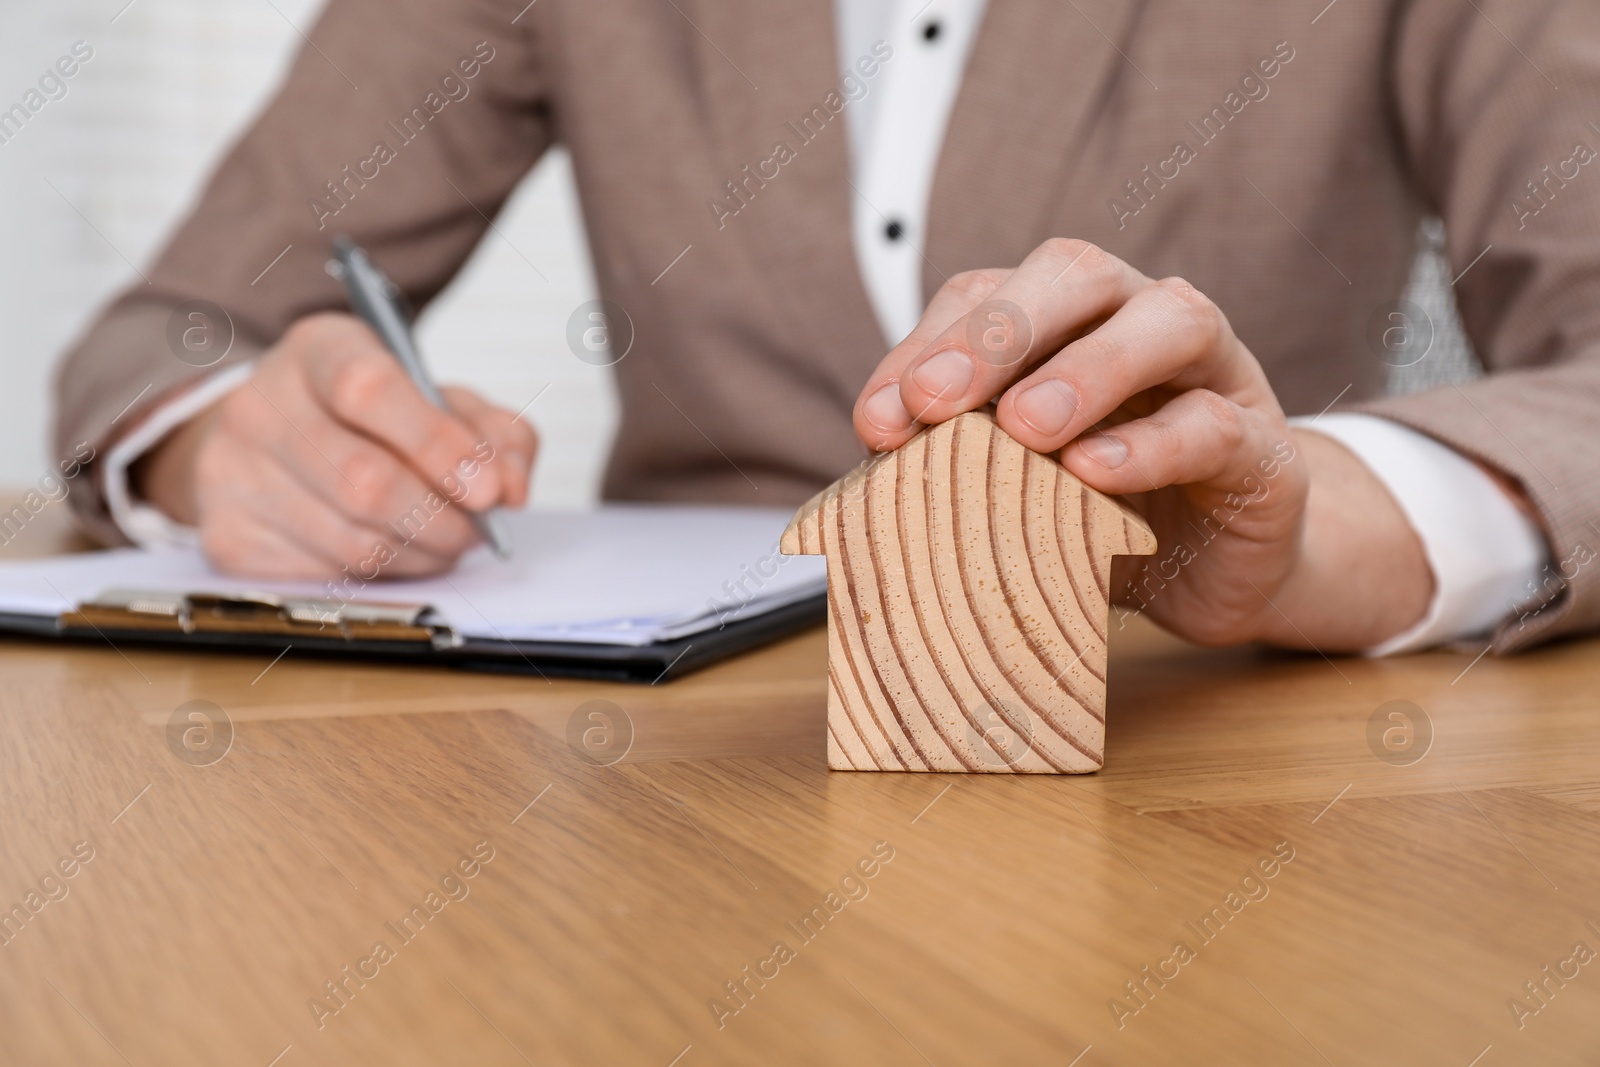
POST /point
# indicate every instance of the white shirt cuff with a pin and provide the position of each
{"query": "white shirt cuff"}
(143, 523)
(1484, 552)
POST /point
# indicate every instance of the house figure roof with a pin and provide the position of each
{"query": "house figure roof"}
(968, 594)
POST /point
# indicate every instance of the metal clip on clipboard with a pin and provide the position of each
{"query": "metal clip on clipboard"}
(256, 613)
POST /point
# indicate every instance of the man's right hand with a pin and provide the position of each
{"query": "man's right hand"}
(330, 457)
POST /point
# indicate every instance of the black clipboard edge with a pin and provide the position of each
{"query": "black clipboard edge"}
(647, 664)
(661, 661)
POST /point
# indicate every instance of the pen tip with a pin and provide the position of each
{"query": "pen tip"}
(494, 533)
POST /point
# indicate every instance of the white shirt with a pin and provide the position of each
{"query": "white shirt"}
(1482, 549)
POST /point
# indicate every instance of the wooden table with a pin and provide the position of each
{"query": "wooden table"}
(1003, 920)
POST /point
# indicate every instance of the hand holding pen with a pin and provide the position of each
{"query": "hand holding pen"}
(377, 300)
(321, 458)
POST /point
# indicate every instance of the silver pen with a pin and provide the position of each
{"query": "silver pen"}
(376, 299)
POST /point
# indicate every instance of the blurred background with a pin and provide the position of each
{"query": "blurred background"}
(96, 180)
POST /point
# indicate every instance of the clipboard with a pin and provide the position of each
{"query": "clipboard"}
(409, 633)
(640, 593)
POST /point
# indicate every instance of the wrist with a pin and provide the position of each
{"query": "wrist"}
(1360, 574)
(165, 475)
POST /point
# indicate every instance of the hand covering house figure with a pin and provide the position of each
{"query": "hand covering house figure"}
(968, 595)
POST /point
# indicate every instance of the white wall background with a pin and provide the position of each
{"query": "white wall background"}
(170, 84)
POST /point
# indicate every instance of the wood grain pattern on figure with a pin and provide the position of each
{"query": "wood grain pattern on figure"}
(968, 593)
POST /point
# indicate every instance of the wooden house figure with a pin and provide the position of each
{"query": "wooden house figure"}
(968, 582)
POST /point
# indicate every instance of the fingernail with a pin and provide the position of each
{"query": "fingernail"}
(1048, 406)
(1104, 449)
(945, 374)
(884, 410)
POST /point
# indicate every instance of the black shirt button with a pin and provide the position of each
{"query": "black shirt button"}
(893, 231)
(930, 32)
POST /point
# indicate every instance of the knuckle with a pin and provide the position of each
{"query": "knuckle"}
(1182, 294)
(359, 383)
(1168, 439)
(369, 482)
(1099, 350)
(1090, 258)
(973, 284)
(1069, 247)
(1195, 308)
(1224, 415)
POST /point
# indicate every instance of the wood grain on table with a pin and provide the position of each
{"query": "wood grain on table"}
(1260, 875)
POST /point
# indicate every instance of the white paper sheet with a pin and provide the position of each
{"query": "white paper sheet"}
(620, 574)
